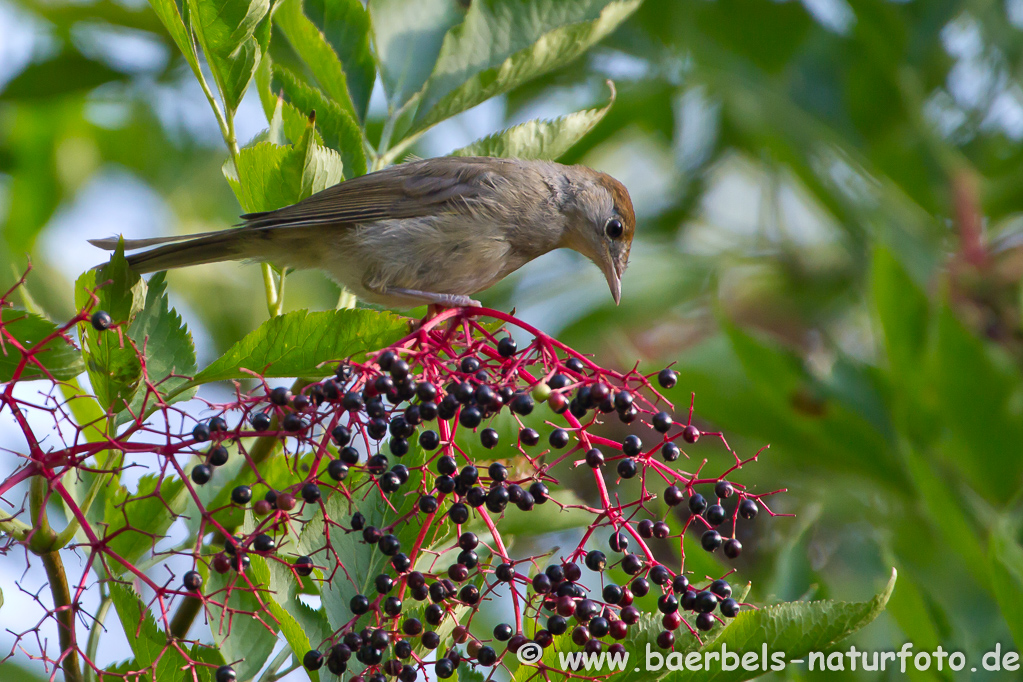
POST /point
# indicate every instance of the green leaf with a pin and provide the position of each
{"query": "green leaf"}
(169, 351)
(243, 638)
(1005, 560)
(135, 522)
(793, 628)
(58, 357)
(467, 674)
(340, 131)
(287, 122)
(226, 29)
(169, 15)
(260, 165)
(113, 365)
(361, 563)
(279, 578)
(153, 649)
(299, 342)
(947, 514)
(538, 139)
(15, 670)
(312, 623)
(979, 385)
(501, 45)
(273, 176)
(204, 653)
(345, 25)
(913, 610)
(903, 310)
(312, 46)
(408, 37)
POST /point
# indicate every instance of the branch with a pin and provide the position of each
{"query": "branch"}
(65, 615)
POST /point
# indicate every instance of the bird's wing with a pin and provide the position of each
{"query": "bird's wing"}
(408, 190)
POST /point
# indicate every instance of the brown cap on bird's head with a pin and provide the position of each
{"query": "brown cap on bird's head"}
(602, 222)
(623, 204)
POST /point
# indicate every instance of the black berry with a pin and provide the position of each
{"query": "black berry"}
(192, 581)
(101, 320)
(201, 474)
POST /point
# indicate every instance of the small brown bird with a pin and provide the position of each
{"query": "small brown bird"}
(433, 231)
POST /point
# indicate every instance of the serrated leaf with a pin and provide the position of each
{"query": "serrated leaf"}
(226, 29)
(345, 25)
(408, 37)
(170, 354)
(312, 46)
(538, 139)
(501, 45)
(113, 365)
(360, 560)
(58, 357)
(340, 131)
(276, 576)
(209, 655)
(794, 628)
(467, 674)
(260, 166)
(269, 176)
(312, 622)
(153, 650)
(1005, 560)
(244, 631)
(135, 522)
(170, 17)
(299, 342)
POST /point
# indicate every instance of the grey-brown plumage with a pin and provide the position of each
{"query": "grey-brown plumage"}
(434, 231)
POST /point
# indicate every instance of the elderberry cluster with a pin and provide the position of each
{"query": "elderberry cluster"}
(435, 397)
(409, 458)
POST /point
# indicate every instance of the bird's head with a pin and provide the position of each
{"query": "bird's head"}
(601, 223)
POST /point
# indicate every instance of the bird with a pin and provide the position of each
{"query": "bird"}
(425, 232)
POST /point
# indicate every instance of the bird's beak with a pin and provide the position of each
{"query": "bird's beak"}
(614, 278)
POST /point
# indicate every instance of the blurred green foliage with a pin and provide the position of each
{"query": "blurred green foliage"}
(829, 246)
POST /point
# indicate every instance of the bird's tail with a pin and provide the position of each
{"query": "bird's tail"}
(181, 251)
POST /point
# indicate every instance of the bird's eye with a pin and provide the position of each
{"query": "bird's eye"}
(613, 228)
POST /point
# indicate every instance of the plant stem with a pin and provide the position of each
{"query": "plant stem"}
(232, 142)
(264, 446)
(19, 530)
(182, 620)
(397, 150)
(271, 672)
(65, 615)
(98, 483)
(43, 538)
(270, 286)
(213, 102)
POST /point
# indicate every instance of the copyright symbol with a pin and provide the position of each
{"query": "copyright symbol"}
(530, 652)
